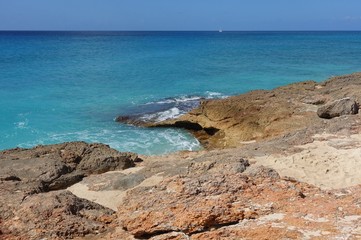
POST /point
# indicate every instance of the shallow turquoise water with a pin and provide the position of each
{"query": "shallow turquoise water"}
(66, 86)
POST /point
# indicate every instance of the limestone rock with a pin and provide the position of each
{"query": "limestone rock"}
(29, 211)
(57, 215)
(252, 116)
(265, 115)
(254, 204)
(344, 106)
(191, 205)
(58, 166)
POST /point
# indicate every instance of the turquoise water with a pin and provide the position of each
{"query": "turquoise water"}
(66, 86)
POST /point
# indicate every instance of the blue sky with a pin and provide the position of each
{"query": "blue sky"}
(180, 14)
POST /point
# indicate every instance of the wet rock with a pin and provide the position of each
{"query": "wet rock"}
(132, 120)
(344, 106)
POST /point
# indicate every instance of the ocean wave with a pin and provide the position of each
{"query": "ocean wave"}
(161, 116)
(173, 107)
(123, 138)
(176, 100)
(189, 98)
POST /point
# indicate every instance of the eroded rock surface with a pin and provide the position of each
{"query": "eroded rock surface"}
(56, 215)
(263, 115)
(232, 202)
(29, 211)
(58, 166)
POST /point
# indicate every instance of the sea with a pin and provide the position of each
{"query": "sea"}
(70, 86)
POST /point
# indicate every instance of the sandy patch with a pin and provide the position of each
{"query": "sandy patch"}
(330, 162)
(112, 199)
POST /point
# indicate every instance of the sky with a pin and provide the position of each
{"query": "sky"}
(147, 15)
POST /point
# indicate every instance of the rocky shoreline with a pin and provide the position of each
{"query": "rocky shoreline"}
(277, 164)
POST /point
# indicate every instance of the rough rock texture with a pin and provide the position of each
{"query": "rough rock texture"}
(56, 215)
(263, 115)
(243, 203)
(29, 211)
(344, 106)
(58, 166)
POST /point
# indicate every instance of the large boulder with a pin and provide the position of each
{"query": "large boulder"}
(58, 166)
(344, 106)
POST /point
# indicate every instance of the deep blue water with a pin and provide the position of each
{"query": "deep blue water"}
(66, 86)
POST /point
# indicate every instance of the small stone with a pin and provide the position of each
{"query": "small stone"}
(344, 106)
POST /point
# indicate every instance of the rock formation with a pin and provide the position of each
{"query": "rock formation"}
(261, 114)
(228, 199)
(264, 174)
(30, 205)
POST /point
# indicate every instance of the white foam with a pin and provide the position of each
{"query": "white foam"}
(23, 121)
(171, 113)
(176, 99)
(144, 141)
(188, 98)
(211, 95)
(181, 141)
(161, 116)
(180, 106)
(21, 124)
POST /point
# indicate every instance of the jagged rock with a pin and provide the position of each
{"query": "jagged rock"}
(28, 212)
(255, 204)
(59, 166)
(193, 204)
(57, 215)
(344, 106)
(211, 194)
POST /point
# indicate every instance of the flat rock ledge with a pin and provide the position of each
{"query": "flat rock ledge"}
(263, 115)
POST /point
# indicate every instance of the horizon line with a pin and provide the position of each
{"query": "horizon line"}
(215, 30)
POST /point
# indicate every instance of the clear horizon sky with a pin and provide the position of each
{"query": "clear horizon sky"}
(180, 15)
